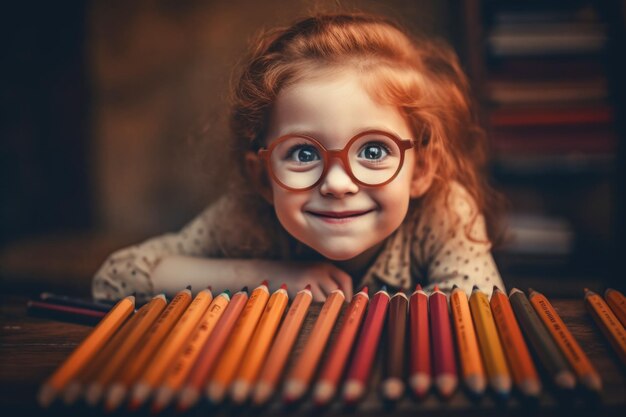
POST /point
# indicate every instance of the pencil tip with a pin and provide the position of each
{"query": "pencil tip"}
(495, 288)
(454, 287)
(188, 287)
(244, 289)
(227, 292)
(436, 288)
(307, 287)
(418, 287)
(365, 289)
(383, 288)
(209, 287)
(283, 286)
(265, 282)
(475, 288)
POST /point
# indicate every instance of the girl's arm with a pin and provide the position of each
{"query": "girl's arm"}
(175, 272)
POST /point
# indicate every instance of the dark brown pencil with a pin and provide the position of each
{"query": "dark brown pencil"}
(541, 341)
(393, 386)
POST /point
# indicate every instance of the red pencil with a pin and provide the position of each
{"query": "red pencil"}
(366, 346)
(443, 347)
(419, 378)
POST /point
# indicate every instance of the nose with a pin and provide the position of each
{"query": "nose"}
(337, 181)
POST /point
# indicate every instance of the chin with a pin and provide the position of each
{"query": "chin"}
(337, 254)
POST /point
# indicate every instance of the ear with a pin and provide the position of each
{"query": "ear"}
(257, 174)
(423, 176)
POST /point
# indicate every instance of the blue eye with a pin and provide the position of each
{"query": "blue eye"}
(373, 152)
(303, 154)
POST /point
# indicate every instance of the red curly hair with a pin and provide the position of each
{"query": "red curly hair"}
(421, 77)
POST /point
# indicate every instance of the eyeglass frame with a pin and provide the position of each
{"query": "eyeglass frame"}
(342, 154)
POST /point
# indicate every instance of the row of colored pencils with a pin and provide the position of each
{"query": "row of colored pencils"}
(238, 347)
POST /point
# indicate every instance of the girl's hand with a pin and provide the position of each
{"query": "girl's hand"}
(323, 277)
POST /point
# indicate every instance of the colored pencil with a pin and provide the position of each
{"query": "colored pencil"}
(607, 321)
(259, 345)
(489, 342)
(148, 346)
(366, 347)
(282, 346)
(210, 351)
(471, 363)
(520, 362)
(541, 341)
(420, 364)
(85, 352)
(146, 316)
(65, 300)
(393, 385)
(237, 343)
(75, 388)
(442, 344)
(170, 349)
(335, 365)
(64, 312)
(617, 302)
(182, 366)
(572, 351)
(301, 374)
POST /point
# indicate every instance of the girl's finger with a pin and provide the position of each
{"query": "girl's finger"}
(318, 294)
(343, 281)
(327, 284)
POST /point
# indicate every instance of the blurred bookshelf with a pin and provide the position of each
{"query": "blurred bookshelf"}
(541, 71)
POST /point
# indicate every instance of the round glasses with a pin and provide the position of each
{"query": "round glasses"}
(372, 158)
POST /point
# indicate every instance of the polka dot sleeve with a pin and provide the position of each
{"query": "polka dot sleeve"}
(452, 256)
(224, 229)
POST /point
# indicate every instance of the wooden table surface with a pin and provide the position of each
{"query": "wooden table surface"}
(31, 348)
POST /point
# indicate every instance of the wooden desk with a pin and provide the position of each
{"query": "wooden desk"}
(31, 348)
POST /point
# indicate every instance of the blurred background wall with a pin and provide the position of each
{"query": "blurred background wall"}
(113, 124)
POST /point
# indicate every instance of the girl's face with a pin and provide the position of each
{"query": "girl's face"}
(339, 218)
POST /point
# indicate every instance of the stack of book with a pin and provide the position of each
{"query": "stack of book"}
(546, 89)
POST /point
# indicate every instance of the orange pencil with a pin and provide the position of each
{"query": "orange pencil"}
(279, 353)
(259, 345)
(103, 358)
(237, 344)
(420, 359)
(85, 352)
(187, 358)
(145, 317)
(302, 372)
(170, 349)
(489, 342)
(469, 354)
(149, 344)
(608, 323)
(332, 370)
(190, 393)
(515, 348)
(569, 346)
(617, 302)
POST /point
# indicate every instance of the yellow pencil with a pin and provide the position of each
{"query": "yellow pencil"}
(469, 354)
(259, 345)
(237, 343)
(489, 341)
(569, 346)
(83, 354)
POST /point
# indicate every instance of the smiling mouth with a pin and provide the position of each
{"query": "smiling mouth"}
(338, 216)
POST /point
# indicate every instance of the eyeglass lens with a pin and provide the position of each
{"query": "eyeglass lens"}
(298, 162)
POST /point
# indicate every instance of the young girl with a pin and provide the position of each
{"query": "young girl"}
(360, 159)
